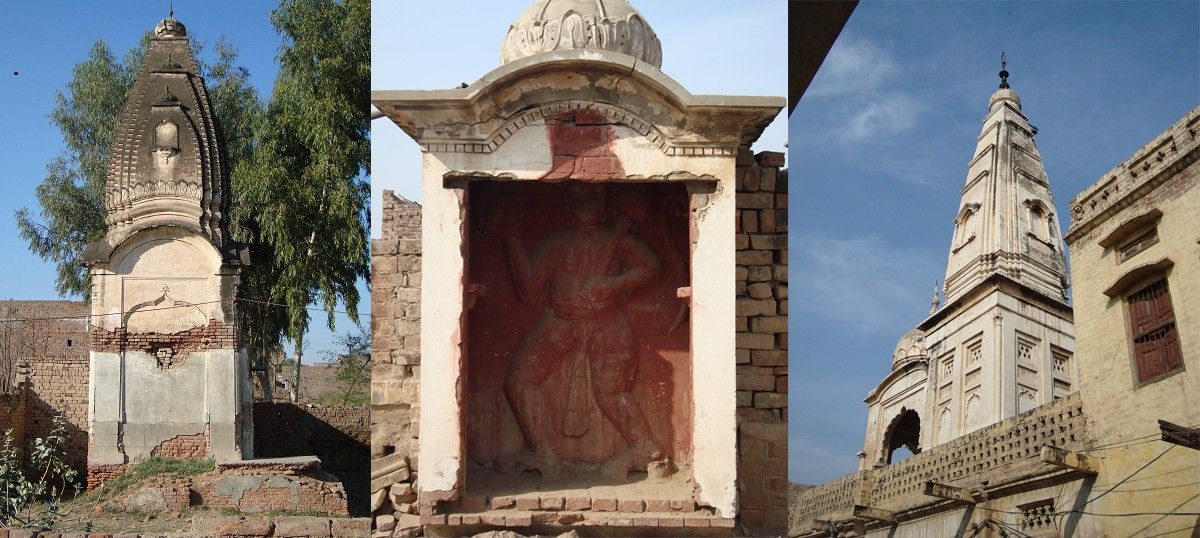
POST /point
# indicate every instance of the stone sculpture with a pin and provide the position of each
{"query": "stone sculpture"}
(586, 270)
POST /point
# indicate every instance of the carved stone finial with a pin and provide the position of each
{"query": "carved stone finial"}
(1003, 71)
(169, 27)
(934, 302)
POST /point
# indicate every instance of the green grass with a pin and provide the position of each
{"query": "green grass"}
(150, 467)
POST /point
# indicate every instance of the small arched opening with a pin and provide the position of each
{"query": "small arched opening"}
(903, 432)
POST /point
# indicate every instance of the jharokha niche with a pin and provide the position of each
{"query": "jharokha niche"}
(577, 326)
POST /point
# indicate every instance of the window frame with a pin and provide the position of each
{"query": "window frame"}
(1142, 285)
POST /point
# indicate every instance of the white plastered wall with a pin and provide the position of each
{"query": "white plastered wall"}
(163, 280)
(526, 155)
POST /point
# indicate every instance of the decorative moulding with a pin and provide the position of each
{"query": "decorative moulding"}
(1136, 275)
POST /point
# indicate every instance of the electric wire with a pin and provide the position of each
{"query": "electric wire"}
(187, 305)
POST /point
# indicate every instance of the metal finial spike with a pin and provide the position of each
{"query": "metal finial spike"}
(1003, 71)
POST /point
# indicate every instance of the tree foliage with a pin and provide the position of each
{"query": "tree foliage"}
(303, 197)
(299, 166)
(72, 195)
(353, 359)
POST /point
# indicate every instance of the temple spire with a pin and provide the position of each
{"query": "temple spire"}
(1006, 223)
(1003, 71)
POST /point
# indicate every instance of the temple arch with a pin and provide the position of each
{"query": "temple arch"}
(903, 431)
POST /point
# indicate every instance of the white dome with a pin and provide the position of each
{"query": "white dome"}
(910, 346)
(1004, 94)
(612, 25)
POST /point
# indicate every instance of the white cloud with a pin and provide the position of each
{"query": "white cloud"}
(857, 88)
(863, 281)
(853, 65)
(889, 114)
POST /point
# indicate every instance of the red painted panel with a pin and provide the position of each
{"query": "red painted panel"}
(581, 146)
(593, 343)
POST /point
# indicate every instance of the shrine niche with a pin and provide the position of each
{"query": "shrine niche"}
(577, 291)
(578, 355)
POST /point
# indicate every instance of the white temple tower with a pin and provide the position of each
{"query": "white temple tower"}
(1002, 342)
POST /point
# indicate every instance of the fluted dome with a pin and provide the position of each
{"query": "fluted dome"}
(169, 27)
(612, 25)
(911, 346)
(1004, 94)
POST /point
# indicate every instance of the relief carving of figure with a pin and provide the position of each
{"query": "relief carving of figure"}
(586, 270)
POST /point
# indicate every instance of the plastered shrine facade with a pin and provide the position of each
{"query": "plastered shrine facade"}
(167, 376)
(578, 270)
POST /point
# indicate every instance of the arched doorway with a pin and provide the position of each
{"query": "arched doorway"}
(903, 431)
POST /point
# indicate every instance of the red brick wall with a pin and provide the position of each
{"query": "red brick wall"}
(98, 474)
(60, 384)
(37, 329)
(339, 435)
(762, 342)
(12, 414)
(215, 335)
(396, 356)
(183, 447)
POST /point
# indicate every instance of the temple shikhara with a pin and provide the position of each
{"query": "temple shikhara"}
(1002, 340)
(167, 374)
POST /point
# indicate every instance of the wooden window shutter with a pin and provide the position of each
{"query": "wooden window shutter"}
(1155, 338)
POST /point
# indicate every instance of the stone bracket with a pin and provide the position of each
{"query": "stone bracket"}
(953, 493)
(1069, 459)
(868, 512)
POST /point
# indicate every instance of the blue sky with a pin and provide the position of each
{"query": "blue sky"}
(879, 147)
(42, 41)
(709, 46)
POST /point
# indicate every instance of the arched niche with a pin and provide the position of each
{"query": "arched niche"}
(903, 431)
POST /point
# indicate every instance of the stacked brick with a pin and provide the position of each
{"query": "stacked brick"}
(99, 474)
(215, 335)
(396, 358)
(12, 413)
(31, 330)
(60, 384)
(183, 447)
(762, 340)
(242, 526)
(339, 435)
(46, 343)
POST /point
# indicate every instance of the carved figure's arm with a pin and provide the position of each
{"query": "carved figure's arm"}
(640, 265)
(530, 272)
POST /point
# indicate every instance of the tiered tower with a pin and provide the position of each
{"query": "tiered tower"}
(1002, 342)
(168, 377)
